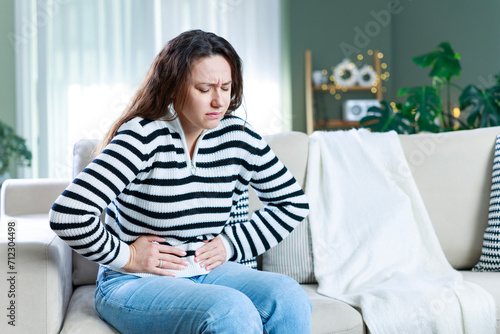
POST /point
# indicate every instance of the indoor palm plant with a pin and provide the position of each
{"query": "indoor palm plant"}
(13, 150)
(423, 109)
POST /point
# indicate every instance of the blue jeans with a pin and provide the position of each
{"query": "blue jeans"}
(232, 298)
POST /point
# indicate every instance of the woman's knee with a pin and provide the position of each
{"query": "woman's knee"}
(290, 291)
(234, 310)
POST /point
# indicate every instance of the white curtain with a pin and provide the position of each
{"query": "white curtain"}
(79, 62)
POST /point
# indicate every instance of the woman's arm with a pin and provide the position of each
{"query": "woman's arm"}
(75, 216)
(285, 206)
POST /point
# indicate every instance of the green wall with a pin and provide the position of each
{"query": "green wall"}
(414, 28)
(470, 26)
(7, 64)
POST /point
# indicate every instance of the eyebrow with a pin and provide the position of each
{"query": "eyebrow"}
(212, 84)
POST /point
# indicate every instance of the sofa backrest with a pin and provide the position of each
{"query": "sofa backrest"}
(453, 173)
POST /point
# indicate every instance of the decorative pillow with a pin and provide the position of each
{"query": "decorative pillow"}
(490, 256)
(292, 256)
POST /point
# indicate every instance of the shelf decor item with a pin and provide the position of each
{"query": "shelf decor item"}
(346, 73)
(367, 77)
(320, 77)
(344, 80)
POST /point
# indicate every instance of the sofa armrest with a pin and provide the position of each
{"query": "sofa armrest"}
(36, 284)
(30, 196)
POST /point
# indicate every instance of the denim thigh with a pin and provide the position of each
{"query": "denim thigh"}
(162, 304)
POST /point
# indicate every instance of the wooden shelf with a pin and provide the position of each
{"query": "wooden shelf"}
(327, 88)
(335, 123)
(311, 89)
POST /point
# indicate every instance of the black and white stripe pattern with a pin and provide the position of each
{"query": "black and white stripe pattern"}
(490, 256)
(150, 185)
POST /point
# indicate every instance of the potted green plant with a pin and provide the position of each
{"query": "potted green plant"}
(13, 150)
(423, 110)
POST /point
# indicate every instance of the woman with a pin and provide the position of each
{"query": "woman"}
(173, 176)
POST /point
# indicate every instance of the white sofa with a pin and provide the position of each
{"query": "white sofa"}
(54, 286)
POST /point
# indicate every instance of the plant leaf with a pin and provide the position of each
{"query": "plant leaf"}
(444, 61)
(384, 118)
(484, 106)
(13, 149)
(425, 104)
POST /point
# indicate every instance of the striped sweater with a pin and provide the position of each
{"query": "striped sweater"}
(149, 184)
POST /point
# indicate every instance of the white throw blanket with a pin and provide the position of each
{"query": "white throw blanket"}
(374, 246)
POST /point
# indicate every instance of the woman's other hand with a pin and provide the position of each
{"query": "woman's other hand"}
(212, 254)
(146, 255)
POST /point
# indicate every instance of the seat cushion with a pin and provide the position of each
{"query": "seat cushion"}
(331, 315)
(328, 316)
(82, 317)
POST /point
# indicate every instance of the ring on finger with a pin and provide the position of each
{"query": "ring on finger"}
(161, 262)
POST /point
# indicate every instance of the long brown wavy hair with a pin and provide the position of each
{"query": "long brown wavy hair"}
(167, 79)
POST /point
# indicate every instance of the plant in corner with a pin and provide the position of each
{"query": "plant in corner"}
(13, 149)
(423, 110)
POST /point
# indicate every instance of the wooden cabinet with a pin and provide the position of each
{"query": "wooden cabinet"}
(312, 90)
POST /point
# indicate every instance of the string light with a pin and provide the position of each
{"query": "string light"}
(338, 89)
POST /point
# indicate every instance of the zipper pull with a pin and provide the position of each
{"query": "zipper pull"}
(193, 168)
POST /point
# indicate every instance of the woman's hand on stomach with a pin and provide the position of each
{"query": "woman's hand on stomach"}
(146, 255)
(212, 254)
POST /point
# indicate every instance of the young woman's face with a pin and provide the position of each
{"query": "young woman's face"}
(208, 96)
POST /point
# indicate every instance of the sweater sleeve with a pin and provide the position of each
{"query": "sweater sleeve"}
(285, 206)
(75, 216)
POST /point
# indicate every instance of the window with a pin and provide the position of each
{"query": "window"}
(80, 61)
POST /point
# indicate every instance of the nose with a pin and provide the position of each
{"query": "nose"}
(217, 99)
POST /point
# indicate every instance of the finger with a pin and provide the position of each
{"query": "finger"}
(172, 266)
(152, 238)
(214, 265)
(209, 246)
(208, 258)
(171, 250)
(201, 256)
(173, 261)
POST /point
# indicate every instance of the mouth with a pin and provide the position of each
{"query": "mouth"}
(213, 115)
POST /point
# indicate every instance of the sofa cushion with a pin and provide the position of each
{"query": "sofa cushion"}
(453, 174)
(328, 316)
(490, 256)
(82, 317)
(331, 315)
